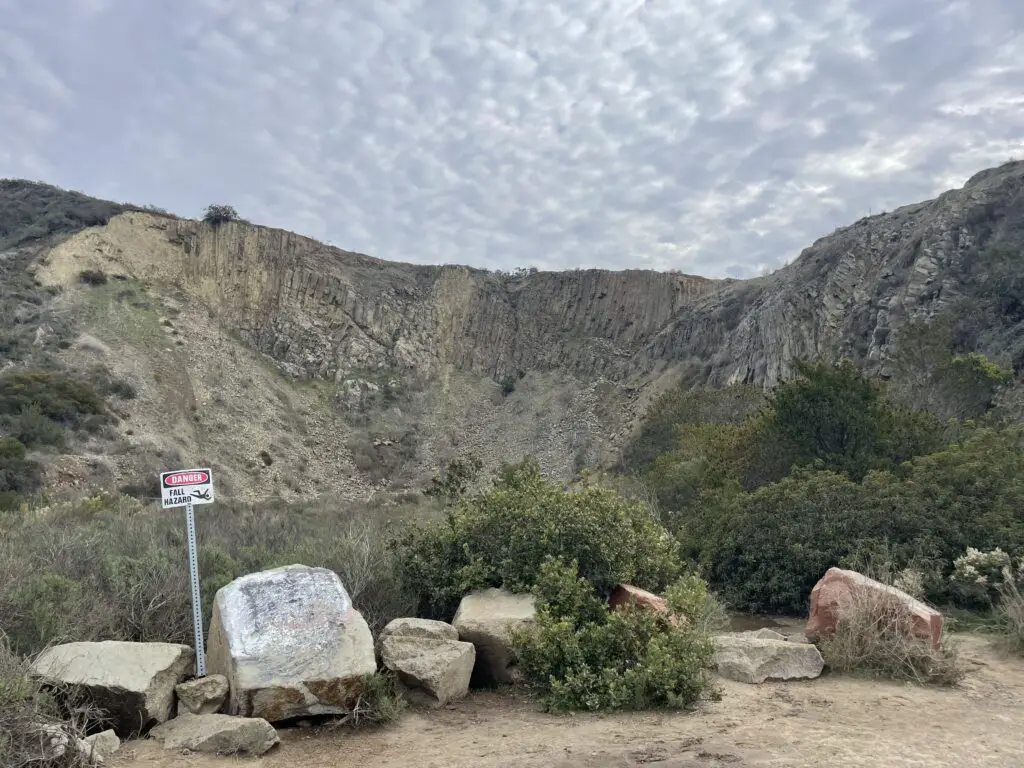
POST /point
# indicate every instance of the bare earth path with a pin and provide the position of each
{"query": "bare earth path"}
(833, 721)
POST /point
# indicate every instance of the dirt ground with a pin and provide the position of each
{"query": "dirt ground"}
(832, 721)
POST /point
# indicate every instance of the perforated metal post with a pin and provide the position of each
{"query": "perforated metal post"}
(197, 604)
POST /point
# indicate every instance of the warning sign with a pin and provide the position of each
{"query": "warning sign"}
(186, 485)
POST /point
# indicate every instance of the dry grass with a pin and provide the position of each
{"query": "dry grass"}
(30, 719)
(108, 567)
(875, 636)
(1010, 612)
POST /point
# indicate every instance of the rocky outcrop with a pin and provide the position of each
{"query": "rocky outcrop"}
(215, 734)
(202, 696)
(840, 592)
(432, 664)
(747, 658)
(133, 683)
(290, 644)
(328, 313)
(487, 619)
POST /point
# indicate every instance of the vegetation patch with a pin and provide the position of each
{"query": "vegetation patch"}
(501, 537)
(579, 655)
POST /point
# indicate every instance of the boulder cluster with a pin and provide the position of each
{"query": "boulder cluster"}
(284, 645)
(287, 644)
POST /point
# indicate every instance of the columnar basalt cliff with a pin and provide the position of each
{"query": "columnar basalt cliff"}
(409, 355)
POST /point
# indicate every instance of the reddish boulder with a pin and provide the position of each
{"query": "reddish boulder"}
(624, 594)
(835, 592)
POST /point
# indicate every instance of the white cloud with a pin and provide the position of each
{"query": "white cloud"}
(710, 136)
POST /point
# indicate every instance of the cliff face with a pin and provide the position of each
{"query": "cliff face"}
(326, 313)
(850, 293)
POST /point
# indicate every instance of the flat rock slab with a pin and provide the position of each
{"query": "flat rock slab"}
(435, 630)
(132, 682)
(747, 659)
(202, 696)
(290, 644)
(434, 671)
(217, 735)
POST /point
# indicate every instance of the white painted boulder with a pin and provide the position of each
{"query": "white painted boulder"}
(133, 683)
(290, 644)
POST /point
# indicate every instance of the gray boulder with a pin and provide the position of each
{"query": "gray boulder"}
(290, 644)
(487, 619)
(100, 746)
(133, 683)
(202, 696)
(747, 659)
(217, 735)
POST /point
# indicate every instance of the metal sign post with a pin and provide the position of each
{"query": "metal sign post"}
(187, 488)
(197, 600)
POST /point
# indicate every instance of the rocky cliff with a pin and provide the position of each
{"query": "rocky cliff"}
(405, 361)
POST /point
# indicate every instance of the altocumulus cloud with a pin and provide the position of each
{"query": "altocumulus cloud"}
(711, 136)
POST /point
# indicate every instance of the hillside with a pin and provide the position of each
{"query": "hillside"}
(298, 370)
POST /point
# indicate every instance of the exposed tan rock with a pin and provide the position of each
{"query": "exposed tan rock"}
(217, 734)
(749, 659)
(487, 619)
(440, 670)
(132, 682)
(202, 696)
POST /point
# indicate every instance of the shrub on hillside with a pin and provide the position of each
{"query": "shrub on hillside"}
(65, 401)
(219, 214)
(580, 655)
(875, 636)
(501, 537)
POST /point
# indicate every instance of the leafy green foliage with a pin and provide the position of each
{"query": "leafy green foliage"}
(579, 655)
(501, 537)
(658, 433)
(61, 399)
(768, 548)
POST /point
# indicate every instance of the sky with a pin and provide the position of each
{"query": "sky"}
(714, 137)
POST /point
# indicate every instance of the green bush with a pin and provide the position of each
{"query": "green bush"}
(29, 210)
(767, 549)
(580, 655)
(500, 538)
(65, 401)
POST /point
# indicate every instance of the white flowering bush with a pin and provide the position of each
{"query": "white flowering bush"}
(978, 575)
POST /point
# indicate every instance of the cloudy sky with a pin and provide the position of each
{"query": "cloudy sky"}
(717, 137)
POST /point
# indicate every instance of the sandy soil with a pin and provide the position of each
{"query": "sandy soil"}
(832, 721)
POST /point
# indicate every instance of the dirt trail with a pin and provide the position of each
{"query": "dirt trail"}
(833, 721)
